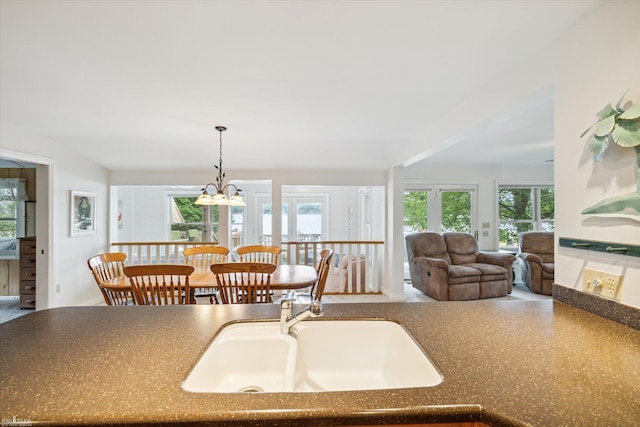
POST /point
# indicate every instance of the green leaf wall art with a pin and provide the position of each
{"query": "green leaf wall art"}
(617, 125)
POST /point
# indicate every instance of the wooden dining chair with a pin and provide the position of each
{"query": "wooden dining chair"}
(259, 253)
(106, 267)
(160, 284)
(202, 257)
(317, 290)
(244, 282)
(322, 269)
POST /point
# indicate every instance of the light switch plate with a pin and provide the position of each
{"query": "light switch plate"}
(601, 283)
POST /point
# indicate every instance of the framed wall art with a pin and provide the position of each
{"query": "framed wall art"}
(619, 124)
(83, 213)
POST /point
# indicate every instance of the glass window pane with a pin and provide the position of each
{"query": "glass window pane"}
(516, 212)
(265, 239)
(548, 226)
(308, 221)
(9, 193)
(237, 224)
(7, 229)
(515, 204)
(285, 221)
(8, 209)
(191, 222)
(509, 232)
(456, 211)
(416, 211)
(9, 220)
(547, 208)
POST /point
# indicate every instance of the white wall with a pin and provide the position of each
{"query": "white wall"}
(66, 255)
(123, 195)
(599, 61)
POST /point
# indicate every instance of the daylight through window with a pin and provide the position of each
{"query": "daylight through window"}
(524, 209)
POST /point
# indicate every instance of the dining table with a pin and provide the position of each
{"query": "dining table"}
(285, 278)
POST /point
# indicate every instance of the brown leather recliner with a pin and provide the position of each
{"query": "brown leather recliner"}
(463, 249)
(536, 260)
(449, 267)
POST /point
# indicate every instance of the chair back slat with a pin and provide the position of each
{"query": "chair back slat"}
(204, 256)
(105, 267)
(160, 284)
(259, 253)
(326, 255)
(244, 282)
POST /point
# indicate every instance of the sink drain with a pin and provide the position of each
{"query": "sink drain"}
(251, 389)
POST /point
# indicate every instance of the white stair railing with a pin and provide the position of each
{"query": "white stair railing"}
(356, 266)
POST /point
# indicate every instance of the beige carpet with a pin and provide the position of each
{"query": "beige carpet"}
(519, 292)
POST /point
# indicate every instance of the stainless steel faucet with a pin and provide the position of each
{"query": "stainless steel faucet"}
(314, 309)
(287, 319)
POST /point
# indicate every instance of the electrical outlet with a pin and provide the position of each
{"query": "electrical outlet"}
(58, 288)
(601, 283)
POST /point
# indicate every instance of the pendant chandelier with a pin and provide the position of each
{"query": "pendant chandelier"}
(220, 198)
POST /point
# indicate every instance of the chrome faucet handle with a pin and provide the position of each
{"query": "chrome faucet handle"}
(316, 308)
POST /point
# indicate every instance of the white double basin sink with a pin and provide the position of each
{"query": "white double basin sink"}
(317, 356)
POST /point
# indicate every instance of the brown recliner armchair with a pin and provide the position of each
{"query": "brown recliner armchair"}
(536, 260)
(463, 250)
(449, 267)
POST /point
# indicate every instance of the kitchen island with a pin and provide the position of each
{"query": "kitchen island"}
(541, 363)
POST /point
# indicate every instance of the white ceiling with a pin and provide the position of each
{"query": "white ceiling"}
(314, 84)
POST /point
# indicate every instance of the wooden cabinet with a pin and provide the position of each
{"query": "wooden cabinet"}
(28, 272)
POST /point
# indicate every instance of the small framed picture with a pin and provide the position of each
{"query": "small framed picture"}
(83, 213)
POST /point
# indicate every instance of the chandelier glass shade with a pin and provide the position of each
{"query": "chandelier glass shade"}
(219, 197)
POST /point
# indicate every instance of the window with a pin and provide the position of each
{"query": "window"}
(523, 208)
(11, 216)
(440, 208)
(237, 225)
(307, 222)
(416, 211)
(190, 222)
(457, 211)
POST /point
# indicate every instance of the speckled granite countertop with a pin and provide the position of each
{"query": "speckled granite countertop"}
(503, 362)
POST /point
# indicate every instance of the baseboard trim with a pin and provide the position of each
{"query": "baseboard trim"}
(609, 309)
